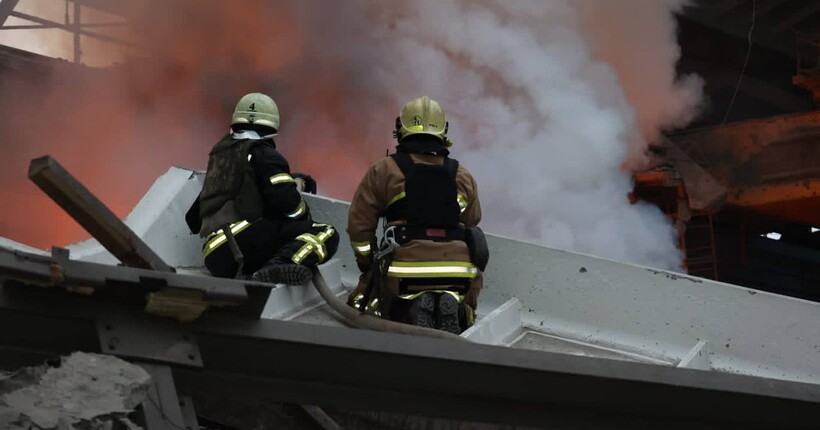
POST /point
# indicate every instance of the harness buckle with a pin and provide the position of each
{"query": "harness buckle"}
(388, 243)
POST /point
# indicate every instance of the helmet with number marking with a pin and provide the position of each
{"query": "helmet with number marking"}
(256, 108)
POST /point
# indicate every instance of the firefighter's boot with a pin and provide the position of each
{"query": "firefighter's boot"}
(447, 314)
(422, 311)
(281, 271)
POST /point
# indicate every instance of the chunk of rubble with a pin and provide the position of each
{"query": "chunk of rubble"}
(85, 391)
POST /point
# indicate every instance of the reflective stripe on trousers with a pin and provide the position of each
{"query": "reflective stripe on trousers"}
(313, 244)
(218, 238)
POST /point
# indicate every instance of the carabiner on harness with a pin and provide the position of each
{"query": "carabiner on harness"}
(382, 259)
(388, 243)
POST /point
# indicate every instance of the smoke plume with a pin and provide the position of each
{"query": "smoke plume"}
(550, 104)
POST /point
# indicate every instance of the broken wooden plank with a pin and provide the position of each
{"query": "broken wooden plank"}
(93, 215)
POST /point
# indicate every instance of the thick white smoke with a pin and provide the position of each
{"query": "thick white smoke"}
(548, 101)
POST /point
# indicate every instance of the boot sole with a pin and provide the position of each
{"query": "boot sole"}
(290, 274)
(421, 311)
(448, 314)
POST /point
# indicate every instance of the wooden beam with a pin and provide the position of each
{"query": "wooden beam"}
(6, 7)
(93, 215)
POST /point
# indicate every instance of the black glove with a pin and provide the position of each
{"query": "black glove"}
(310, 183)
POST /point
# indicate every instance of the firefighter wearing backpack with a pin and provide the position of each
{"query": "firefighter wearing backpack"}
(431, 276)
(251, 210)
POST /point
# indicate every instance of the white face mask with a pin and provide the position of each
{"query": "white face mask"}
(250, 134)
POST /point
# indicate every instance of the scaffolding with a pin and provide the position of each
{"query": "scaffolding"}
(73, 23)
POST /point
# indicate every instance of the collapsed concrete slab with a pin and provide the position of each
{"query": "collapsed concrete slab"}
(85, 391)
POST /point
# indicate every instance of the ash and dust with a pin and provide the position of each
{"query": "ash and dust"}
(551, 104)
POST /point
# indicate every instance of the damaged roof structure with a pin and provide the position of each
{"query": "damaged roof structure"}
(747, 170)
(562, 339)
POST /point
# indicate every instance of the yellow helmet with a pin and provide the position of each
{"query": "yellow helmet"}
(256, 108)
(422, 116)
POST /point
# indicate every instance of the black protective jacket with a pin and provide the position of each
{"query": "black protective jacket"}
(281, 198)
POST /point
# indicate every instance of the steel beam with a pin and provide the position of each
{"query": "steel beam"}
(70, 28)
(280, 361)
(795, 17)
(81, 276)
(76, 27)
(55, 25)
(778, 42)
(724, 6)
(93, 215)
(162, 408)
(773, 193)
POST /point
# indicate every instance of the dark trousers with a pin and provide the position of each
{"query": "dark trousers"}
(300, 241)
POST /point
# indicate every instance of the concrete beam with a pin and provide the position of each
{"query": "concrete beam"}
(696, 358)
(499, 326)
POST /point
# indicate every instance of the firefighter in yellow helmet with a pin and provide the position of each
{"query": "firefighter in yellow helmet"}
(428, 269)
(251, 208)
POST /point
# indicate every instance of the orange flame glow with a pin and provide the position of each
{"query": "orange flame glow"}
(117, 129)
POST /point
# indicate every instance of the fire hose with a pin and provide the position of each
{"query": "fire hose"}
(370, 322)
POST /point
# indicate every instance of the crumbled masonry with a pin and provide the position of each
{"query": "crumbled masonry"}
(86, 391)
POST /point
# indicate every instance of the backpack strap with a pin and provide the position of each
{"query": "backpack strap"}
(404, 161)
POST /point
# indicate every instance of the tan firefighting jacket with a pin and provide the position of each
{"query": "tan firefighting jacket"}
(383, 185)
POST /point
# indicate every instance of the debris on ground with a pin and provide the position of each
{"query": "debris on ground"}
(83, 391)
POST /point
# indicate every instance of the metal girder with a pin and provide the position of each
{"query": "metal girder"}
(703, 191)
(764, 8)
(162, 409)
(725, 6)
(726, 78)
(781, 43)
(117, 281)
(116, 7)
(775, 193)
(70, 28)
(6, 8)
(93, 215)
(798, 15)
(55, 25)
(165, 344)
(724, 148)
(763, 90)
(268, 360)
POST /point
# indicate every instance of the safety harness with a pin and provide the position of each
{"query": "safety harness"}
(430, 208)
